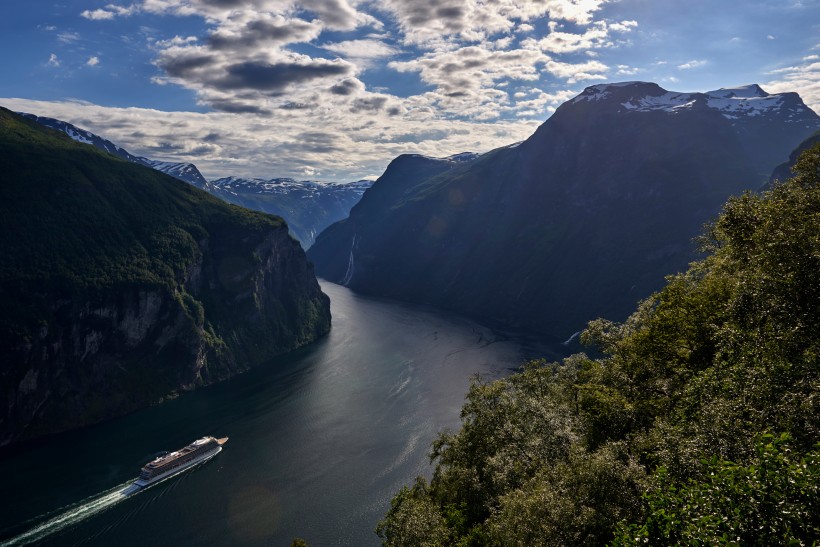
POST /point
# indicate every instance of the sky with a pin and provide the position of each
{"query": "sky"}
(335, 89)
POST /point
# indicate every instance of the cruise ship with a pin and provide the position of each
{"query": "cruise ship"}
(176, 462)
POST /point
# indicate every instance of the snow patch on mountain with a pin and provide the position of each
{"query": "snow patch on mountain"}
(186, 172)
(461, 157)
(305, 188)
(747, 101)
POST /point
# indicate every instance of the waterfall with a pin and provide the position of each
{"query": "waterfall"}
(349, 273)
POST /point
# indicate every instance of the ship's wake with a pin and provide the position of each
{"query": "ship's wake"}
(62, 518)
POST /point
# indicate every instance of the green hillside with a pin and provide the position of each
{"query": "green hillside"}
(700, 425)
(120, 285)
(58, 195)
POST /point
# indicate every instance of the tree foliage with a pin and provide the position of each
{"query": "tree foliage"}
(699, 425)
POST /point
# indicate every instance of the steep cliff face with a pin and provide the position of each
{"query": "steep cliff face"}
(121, 286)
(783, 171)
(583, 219)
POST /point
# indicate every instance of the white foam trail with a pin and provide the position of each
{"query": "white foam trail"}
(72, 515)
(89, 507)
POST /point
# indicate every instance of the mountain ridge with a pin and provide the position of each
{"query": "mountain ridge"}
(308, 206)
(582, 219)
(122, 286)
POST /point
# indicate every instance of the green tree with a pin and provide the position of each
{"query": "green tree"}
(664, 436)
(775, 500)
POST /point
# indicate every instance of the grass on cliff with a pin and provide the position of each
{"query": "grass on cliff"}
(700, 425)
(75, 216)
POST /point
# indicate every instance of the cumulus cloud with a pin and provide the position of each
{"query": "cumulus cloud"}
(93, 61)
(265, 31)
(472, 67)
(109, 12)
(483, 70)
(341, 148)
(695, 63)
(803, 78)
(598, 35)
(363, 50)
(245, 62)
(424, 20)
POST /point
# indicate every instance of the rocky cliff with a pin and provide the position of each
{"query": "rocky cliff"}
(121, 286)
(583, 219)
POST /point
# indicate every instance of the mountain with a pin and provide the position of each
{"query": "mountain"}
(121, 286)
(308, 206)
(784, 171)
(581, 220)
(186, 172)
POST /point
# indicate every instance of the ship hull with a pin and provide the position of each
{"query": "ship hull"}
(142, 483)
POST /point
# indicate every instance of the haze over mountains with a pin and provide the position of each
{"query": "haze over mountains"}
(581, 220)
(307, 206)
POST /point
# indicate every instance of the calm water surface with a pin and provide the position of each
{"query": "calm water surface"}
(319, 440)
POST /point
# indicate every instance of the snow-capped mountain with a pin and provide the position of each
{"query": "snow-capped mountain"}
(763, 122)
(581, 220)
(186, 172)
(733, 103)
(308, 206)
(288, 185)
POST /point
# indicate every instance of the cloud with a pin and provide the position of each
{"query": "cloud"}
(425, 20)
(696, 63)
(53, 60)
(109, 12)
(597, 36)
(467, 80)
(345, 147)
(467, 51)
(804, 78)
(68, 37)
(364, 49)
(244, 64)
(334, 14)
(93, 61)
(269, 67)
(265, 31)
(276, 77)
(98, 14)
(577, 72)
(351, 86)
(626, 70)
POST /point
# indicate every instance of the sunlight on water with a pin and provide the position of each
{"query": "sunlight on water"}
(321, 440)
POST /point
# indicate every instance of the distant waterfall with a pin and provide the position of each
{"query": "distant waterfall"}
(349, 273)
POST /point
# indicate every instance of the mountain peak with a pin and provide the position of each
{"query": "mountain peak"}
(742, 92)
(603, 91)
(733, 103)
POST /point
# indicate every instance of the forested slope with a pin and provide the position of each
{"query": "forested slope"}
(698, 426)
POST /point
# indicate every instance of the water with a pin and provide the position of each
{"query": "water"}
(320, 440)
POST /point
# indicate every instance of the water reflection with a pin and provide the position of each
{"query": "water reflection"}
(320, 439)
